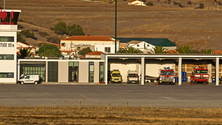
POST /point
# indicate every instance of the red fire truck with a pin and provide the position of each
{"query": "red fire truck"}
(199, 75)
(166, 75)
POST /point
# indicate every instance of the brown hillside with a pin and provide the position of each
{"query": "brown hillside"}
(200, 28)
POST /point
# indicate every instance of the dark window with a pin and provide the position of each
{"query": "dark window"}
(101, 71)
(63, 44)
(107, 49)
(73, 71)
(6, 39)
(88, 47)
(6, 75)
(6, 57)
(138, 45)
(52, 71)
(91, 71)
(78, 48)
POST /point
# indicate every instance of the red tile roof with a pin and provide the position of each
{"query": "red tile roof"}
(217, 51)
(173, 52)
(89, 38)
(95, 53)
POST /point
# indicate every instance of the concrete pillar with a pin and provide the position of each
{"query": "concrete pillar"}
(142, 70)
(180, 71)
(106, 70)
(209, 67)
(18, 71)
(46, 71)
(217, 71)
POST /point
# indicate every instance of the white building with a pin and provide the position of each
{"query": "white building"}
(8, 39)
(141, 45)
(95, 43)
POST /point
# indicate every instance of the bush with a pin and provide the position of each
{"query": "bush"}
(43, 34)
(53, 40)
(28, 34)
(76, 31)
(169, 1)
(201, 6)
(180, 5)
(85, 51)
(34, 30)
(189, 2)
(150, 4)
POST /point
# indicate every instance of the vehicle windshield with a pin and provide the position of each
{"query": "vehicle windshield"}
(167, 73)
(202, 71)
(132, 75)
(116, 74)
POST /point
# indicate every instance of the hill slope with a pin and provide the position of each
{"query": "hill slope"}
(199, 28)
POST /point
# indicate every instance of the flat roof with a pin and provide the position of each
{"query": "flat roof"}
(11, 10)
(130, 55)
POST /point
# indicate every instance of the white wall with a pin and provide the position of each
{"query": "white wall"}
(8, 66)
(153, 69)
(102, 48)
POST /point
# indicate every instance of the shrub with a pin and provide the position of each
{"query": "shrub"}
(49, 50)
(180, 5)
(70, 30)
(20, 26)
(43, 34)
(150, 4)
(34, 30)
(28, 34)
(85, 51)
(53, 40)
(189, 2)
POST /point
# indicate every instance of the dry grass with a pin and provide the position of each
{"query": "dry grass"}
(82, 113)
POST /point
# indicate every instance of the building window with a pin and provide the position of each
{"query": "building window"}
(138, 45)
(148, 45)
(78, 48)
(6, 75)
(73, 71)
(52, 71)
(6, 39)
(91, 71)
(107, 49)
(101, 71)
(88, 47)
(6, 57)
(63, 44)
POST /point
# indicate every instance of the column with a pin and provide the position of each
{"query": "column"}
(46, 71)
(209, 67)
(180, 71)
(217, 71)
(142, 70)
(106, 70)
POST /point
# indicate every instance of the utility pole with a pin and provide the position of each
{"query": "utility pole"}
(4, 4)
(115, 23)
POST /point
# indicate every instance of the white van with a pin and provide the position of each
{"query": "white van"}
(30, 79)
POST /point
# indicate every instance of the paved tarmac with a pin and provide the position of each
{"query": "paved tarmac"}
(115, 95)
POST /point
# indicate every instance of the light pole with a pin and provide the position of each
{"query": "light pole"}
(4, 4)
(115, 23)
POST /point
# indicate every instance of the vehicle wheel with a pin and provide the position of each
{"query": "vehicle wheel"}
(36, 82)
(22, 82)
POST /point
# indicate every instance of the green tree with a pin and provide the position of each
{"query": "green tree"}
(185, 49)
(49, 50)
(158, 49)
(60, 28)
(20, 38)
(129, 50)
(85, 51)
(24, 52)
(70, 28)
(76, 31)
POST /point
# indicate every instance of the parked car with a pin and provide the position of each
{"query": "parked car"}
(132, 76)
(29, 79)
